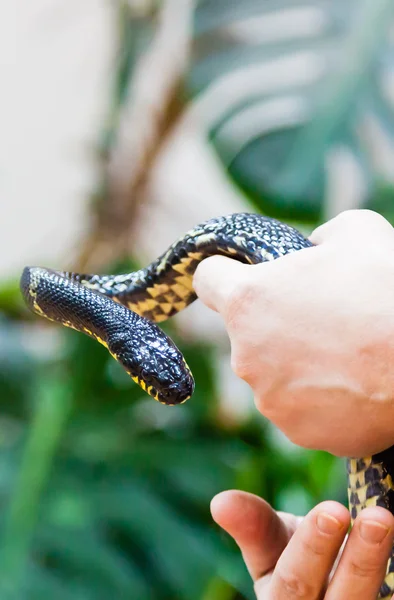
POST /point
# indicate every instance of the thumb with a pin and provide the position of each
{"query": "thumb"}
(215, 279)
(258, 530)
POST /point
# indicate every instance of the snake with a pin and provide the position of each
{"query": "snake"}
(122, 311)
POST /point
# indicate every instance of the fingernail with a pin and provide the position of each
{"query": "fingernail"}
(328, 524)
(373, 532)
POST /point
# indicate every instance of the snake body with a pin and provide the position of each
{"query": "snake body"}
(120, 311)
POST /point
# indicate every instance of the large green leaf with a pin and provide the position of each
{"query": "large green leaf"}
(285, 85)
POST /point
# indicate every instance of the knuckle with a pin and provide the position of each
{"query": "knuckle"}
(315, 547)
(352, 222)
(293, 585)
(363, 567)
(238, 300)
(360, 217)
(240, 365)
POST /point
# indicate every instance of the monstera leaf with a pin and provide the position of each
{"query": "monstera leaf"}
(297, 97)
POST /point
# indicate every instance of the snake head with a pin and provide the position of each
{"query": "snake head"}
(141, 347)
(153, 361)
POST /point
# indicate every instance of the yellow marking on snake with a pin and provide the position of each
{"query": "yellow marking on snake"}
(171, 297)
(183, 266)
(101, 341)
(152, 392)
(133, 306)
(356, 480)
(158, 289)
(147, 305)
(179, 305)
(353, 464)
(166, 308)
(37, 307)
(158, 318)
(187, 282)
(180, 291)
(69, 325)
(33, 293)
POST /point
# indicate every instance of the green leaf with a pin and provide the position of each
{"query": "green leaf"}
(283, 85)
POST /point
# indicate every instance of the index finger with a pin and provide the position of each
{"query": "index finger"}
(303, 568)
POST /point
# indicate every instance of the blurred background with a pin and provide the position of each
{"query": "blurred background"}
(124, 123)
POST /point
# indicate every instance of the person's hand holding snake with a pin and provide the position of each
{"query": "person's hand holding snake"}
(313, 333)
(293, 558)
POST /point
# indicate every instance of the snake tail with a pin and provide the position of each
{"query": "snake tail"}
(370, 483)
(148, 355)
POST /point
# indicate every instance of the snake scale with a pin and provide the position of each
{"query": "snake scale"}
(120, 311)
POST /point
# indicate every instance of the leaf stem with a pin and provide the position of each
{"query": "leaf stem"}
(52, 402)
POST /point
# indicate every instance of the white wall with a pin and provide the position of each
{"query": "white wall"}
(55, 61)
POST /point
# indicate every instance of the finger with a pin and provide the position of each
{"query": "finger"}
(363, 563)
(259, 532)
(215, 279)
(303, 568)
(352, 225)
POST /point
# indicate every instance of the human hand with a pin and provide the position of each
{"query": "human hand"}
(313, 333)
(291, 557)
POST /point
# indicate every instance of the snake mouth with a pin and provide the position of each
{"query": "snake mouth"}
(176, 393)
(170, 394)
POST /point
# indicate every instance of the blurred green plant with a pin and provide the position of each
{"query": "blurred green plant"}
(107, 493)
(104, 492)
(284, 85)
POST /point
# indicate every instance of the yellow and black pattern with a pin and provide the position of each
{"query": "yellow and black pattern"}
(161, 301)
(165, 287)
(120, 311)
(370, 483)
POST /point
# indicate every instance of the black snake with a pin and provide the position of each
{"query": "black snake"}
(120, 311)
